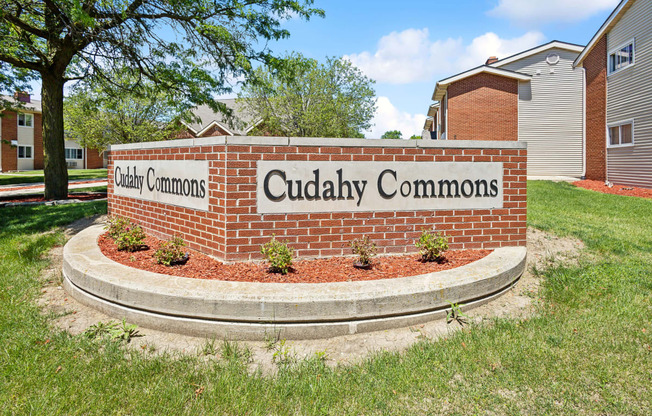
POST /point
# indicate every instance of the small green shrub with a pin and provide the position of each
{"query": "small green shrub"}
(131, 239)
(431, 245)
(117, 226)
(364, 249)
(170, 252)
(278, 254)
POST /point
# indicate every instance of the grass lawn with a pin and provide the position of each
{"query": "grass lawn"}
(35, 176)
(587, 351)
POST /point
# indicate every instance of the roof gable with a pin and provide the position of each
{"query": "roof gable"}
(611, 21)
(555, 44)
(440, 88)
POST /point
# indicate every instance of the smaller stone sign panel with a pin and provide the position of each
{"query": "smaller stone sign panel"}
(299, 186)
(174, 182)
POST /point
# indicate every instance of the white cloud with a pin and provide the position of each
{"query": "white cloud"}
(491, 44)
(410, 55)
(529, 12)
(389, 117)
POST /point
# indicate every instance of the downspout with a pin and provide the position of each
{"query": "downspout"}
(583, 122)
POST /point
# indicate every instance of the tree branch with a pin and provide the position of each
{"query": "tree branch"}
(26, 27)
(21, 63)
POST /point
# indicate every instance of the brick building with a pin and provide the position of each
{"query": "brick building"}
(618, 66)
(21, 140)
(211, 123)
(535, 96)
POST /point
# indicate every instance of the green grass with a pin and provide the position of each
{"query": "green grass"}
(36, 176)
(585, 352)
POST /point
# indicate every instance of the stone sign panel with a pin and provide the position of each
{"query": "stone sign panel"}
(174, 182)
(303, 186)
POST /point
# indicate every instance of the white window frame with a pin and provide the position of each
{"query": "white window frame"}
(26, 116)
(619, 124)
(632, 42)
(31, 152)
(77, 152)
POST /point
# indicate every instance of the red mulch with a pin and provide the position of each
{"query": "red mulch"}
(616, 189)
(33, 198)
(336, 269)
(20, 188)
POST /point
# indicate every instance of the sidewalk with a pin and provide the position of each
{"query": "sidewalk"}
(36, 188)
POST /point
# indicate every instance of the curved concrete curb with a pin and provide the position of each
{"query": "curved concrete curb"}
(294, 311)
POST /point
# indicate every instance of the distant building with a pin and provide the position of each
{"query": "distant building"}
(618, 66)
(535, 96)
(21, 140)
(217, 124)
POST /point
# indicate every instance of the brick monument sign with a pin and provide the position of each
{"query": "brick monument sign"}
(225, 196)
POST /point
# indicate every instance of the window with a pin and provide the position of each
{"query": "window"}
(621, 58)
(621, 134)
(25, 120)
(24, 152)
(74, 153)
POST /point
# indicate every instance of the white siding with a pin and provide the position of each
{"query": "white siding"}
(550, 117)
(629, 96)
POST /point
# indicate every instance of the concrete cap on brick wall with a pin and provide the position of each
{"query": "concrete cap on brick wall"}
(322, 141)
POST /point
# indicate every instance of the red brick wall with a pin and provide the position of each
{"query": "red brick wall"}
(595, 65)
(38, 141)
(233, 230)
(483, 107)
(184, 134)
(9, 132)
(93, 159)
(215, 131)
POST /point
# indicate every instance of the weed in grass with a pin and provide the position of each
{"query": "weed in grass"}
(235, 353)
(283, 355)
(271, 338)
(121, 331)
(455, 314)
(209, 347)
(321, 355)
(100, 329)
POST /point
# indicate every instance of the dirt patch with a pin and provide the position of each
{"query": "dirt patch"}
(335, 269)
(615, 189)
(543, 249)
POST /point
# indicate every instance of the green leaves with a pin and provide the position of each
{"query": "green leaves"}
(299, 96)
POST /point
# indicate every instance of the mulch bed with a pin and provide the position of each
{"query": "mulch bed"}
(615, 189)
(25, 187)
(335, 269)
(36, 198)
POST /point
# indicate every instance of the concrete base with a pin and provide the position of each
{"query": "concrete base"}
(252, 311)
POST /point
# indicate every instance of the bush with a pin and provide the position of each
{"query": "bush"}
(278, 254)
(364, 249)
(431, 245)
(170, 252)
(117, 226)
(131, 239)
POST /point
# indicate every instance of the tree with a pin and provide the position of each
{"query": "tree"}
(311, 99)
(415, 137)
(142, 113)
(208, 43)
(392, 134)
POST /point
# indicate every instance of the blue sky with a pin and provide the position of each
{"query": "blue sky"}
(406, 46)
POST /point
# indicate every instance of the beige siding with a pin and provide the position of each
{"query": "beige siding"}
(25, 137)
(550, 116)
(629, 96)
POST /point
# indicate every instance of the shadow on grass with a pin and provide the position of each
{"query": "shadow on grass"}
(41, 218)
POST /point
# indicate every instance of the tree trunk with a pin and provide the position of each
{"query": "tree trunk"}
(56, 171)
